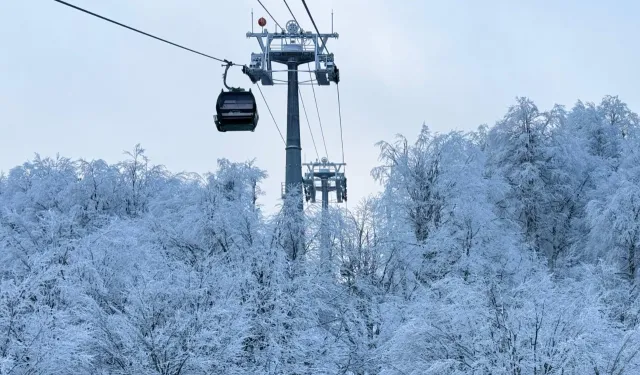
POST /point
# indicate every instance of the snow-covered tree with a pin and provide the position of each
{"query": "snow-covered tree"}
(512, 249)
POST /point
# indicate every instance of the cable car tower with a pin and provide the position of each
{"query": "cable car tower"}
(327, 177)
(292, 47)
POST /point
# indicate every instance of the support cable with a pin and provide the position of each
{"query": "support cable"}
(311, 76)
(314, 24)
(340, 115)
(308, 124)
(143, 33)
(292, 15)
(271, 113)
(269, 13)
(318, 111)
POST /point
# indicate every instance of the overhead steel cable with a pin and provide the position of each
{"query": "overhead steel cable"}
(340, 115)
(290, 11)
(308, 123)
(300, 92)
(314, 24)
(144, 33)
(269, 13)
(311, 76)
(318, 111)
(271, 113)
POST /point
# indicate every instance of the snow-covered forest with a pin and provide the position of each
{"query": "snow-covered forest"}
(513, 249)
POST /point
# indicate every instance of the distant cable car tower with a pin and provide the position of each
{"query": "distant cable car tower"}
(292, 47)
(327, 177)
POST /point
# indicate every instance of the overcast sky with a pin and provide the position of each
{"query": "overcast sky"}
(75, 85)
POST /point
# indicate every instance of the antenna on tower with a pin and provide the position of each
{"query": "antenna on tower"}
(331, 21)
(251, 19)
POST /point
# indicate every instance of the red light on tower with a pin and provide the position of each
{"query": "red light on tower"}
(262, 22)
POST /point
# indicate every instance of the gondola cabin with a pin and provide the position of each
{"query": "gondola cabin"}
(236, 111)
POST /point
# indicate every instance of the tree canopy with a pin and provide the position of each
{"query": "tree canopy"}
(512, 249)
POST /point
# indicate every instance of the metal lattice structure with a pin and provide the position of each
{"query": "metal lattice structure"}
(292, 45)
(325, 177)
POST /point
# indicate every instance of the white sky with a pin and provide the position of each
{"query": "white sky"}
(84, 88)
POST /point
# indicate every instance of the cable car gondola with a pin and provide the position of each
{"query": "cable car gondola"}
(236, 109)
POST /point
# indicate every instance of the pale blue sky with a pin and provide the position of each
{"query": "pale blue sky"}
(78, 86)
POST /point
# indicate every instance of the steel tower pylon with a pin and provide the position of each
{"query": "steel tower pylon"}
(293, 169)
(292, 47)
(327, 177)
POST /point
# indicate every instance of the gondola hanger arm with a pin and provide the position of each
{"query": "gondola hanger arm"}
(228, 65)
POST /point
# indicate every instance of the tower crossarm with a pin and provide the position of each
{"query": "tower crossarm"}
(327, 176)
(289, 45)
